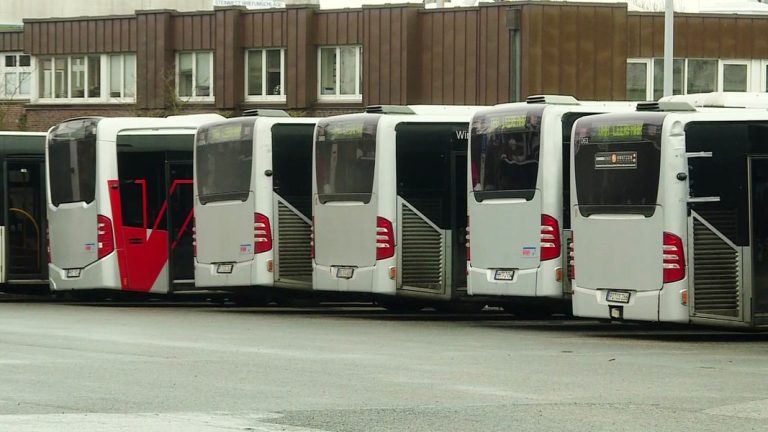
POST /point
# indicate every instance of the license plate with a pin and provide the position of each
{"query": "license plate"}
(504, 275)
(73, 273)
(345, 272)
(617, 296)
(224, 268)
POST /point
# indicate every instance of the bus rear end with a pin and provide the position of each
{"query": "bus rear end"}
(229, 233)
(350, 237)
(81, 238)
(627, 257)
(509, 235)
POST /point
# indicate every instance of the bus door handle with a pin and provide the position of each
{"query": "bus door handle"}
(136, 240)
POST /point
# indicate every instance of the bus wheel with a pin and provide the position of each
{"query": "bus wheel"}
(400, 305)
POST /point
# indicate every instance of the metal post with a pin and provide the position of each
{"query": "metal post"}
(669, 20)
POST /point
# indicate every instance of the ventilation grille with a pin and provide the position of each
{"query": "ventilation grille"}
(715, 273)
(422, 252)
(293, 236)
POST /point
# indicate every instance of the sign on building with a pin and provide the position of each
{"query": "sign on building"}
(251, 4)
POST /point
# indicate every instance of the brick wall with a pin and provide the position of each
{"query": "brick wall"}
(12, 116)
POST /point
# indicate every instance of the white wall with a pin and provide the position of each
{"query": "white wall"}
(14, 11)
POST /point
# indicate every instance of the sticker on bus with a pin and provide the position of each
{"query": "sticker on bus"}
(616, 160)
(529, 252)
(90, 247)
(246, 248)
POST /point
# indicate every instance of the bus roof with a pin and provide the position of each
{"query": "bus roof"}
(722, 99)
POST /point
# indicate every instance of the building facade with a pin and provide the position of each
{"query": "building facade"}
(320, 62)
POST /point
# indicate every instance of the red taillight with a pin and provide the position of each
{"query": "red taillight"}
(312, 238)
(194, 238)
(674, 260)
(571, 259)
(385, 239)
(105, 236)
(466, 243)
(550, 238)
(262, 233)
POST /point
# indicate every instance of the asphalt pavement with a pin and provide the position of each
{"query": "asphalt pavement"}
(199, 368)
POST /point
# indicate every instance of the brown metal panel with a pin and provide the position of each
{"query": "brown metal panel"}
(246, 26)
(399, 49)
(633, 36)
(292, 59)
(548, 38)
(333, 29)
(759, 41)
(460, 53)
(100, 36)
(490, 52)
(109, 41)
(425, 59)
(744, 42)
(680, 47)
(206, 33)
(586, 61)
(658, 35)
(646, 36)
(711, 37)
(66, 37)
(619, 54)
(533, 39)
(694, 40)
(321, 28)
(374, 32)
(446, 66)
(473, 43)
(277, 29)
(727, 38)
(384, 22)
(437, 58)
(603, 53)
(152, 67)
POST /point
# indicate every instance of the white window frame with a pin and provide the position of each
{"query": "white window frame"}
(648, 75)
(358, 96)
(264, 97)
(763, 65)
(107, 88)
(721, 69)
(102, 98)
(17, 70)
(194, 97)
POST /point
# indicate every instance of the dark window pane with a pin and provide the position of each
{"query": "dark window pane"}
(24, 60)
(72, 162)
(617, 162)
(224, 160)
(505, 153)
(10, 61)
(345, 157)
(292, 164)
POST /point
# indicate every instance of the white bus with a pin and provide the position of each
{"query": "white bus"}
(23, 257)
(253, 203)
(119, 203)
(669, 211)
(518, 203)
(389, 203)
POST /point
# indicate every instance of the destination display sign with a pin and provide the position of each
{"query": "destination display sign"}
(617, 132)
(339, 131)
(512, 122)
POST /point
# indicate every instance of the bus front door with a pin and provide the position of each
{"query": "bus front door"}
(759, 239)
(180, 221)
(25, 258)
(459, 221)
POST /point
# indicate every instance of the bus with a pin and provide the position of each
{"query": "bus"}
(119, 203)
(253, 208)
(519, 198)
(23, 262)
(389, 204)
(669, 210)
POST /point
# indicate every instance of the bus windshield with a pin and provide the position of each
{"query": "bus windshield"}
(505, 153)
(72, 162)
(345, 155)
(224, 159)
(617, 162)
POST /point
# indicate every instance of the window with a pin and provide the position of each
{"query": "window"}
(695, 76)
(15, 76)
(122, 76)
(637, 80)
(264, 78)
(345, 156)
(73, 177)
(340, 73)
(658, 77)
(735, 76)
(701, 76)
(505, 154)
(194, 73)
(224, 161)
(81, 78)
